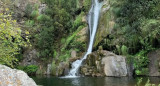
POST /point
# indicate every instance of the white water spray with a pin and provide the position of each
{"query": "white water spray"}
(93, 18)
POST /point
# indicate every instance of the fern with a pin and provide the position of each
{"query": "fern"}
(124, 50)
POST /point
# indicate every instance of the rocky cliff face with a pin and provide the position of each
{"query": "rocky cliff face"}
(30, 56)
(106, 22)
(104, 63)
(13, 77)
(23, 8)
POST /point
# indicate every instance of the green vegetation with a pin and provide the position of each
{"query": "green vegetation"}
(141, 63)
(10, 39)
(30, 69)
(52, 32)
(53, 68)
(136, 30)
(60, 20)
(139, 83)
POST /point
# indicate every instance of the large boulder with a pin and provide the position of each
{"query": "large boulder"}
(104, 63)
(114, 65)
(13, 77)
(154, 63)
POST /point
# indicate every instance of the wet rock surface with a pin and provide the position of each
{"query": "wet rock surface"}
(106, 22)
(104, 63)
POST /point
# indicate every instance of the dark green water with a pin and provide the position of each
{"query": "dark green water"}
(94, 81)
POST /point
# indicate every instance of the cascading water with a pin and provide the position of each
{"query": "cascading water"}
(93, 18)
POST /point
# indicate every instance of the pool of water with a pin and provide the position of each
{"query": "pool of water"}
(94, 81)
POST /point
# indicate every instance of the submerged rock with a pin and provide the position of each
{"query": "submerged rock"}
(13, 77)
(104, 63)
(154, 63)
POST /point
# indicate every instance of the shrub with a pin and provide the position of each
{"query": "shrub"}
(141, 63)
(30, 69)
(28, 10)
(10, 38)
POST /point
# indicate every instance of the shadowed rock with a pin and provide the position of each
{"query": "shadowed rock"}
(154, 63)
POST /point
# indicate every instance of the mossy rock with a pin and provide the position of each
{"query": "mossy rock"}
(106, 24)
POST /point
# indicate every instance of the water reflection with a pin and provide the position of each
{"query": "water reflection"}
(119, 81)
(94, 81)
(76, 82)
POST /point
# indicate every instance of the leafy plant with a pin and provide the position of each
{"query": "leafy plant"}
(122, 49)
(141, 63)
(10, 38)
(28, 10)
(136, 31)
(139, 83)
(30, 69)
(53, 68)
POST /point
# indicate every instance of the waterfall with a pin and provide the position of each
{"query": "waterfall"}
(93, 18)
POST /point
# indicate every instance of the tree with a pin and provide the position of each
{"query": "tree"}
(10, 38)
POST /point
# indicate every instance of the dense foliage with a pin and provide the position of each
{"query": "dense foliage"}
(52, 31)
(139, 23)
(30, 69)
(55, 26)
(136, 30)
(10, 38)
